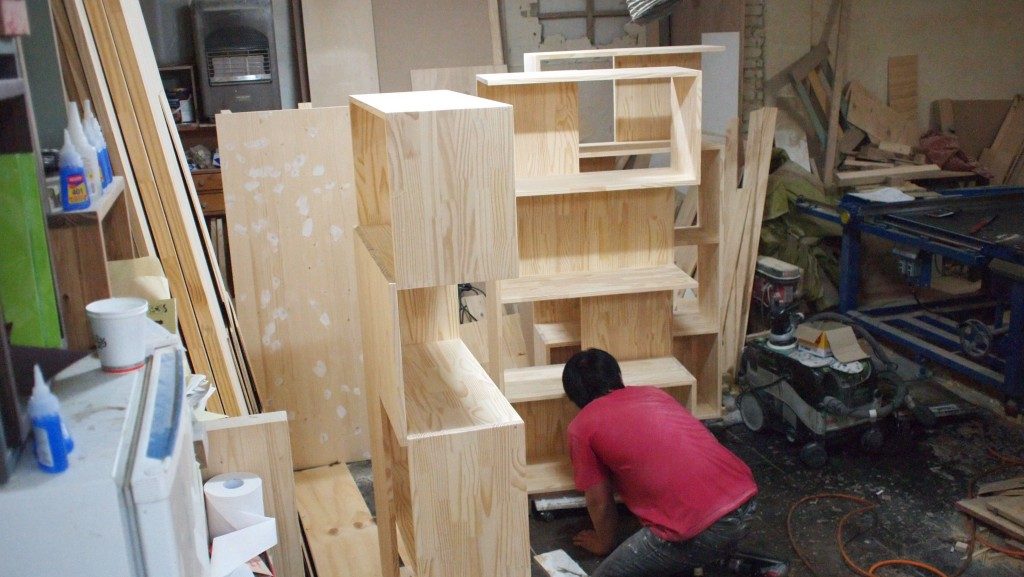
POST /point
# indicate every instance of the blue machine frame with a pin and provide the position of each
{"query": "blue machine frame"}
(932, 330)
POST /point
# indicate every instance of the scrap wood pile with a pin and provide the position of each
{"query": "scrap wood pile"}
(107, 57)
(1000, 506)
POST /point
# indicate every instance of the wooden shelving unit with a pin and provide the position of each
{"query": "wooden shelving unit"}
(596, 248)
(436, 208)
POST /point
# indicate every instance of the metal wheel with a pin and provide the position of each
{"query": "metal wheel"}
(975, 338)
(814, 456)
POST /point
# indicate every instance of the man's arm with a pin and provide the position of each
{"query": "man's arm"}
(605, 516)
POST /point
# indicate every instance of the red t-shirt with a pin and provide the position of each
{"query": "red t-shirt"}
(665, 465)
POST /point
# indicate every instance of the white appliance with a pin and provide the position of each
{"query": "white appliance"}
(131, 502)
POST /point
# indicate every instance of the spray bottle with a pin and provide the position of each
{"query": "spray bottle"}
(95, 135)
(89, 157)
(74, 191)
(52, 441)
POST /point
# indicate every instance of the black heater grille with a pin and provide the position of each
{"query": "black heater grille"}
(238, 66)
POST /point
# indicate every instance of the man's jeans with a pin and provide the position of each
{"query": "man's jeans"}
(645, 554)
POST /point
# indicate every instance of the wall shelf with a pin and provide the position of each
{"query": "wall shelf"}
(596, 283)
(603, 181)
(544, 383)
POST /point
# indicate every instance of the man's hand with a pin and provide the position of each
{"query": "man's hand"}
(590, 541)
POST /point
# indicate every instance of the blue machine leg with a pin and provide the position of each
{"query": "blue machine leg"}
(849, 263)
(1014, 372)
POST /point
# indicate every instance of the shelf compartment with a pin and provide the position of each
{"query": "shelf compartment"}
(593, 75)
(448, 390)
(593, 284)
(97, 211)
(544, 383)
(604, 181)
(549, 477)
(692, 324)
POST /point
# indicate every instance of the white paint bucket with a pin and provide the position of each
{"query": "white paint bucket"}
(118, 329)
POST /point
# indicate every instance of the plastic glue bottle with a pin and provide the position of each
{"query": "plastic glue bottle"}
(52, 441)
(74, 190)
(95, 135)
(89, 157)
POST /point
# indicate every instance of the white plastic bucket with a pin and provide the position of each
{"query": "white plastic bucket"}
(118, 329)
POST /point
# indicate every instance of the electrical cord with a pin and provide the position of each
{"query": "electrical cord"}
(1005, 462)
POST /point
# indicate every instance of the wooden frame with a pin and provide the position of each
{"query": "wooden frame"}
(436, 208)
(596, 248)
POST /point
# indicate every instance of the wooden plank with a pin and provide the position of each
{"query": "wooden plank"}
(513, 345)
(341, 52)
(595, 284)
(259, 444)
(497, 46)
(629, 326)
(902, 85)
(533, 61)
(604, 181)
(550, 476)
(877, 175)
(1008, 143)
(1001, 486)
(447, 389)
(842, 47)
(603, 149)
(589, 75)
(878, 120)
(290, 203)
(974, 122)
(341, 532)
(543, 383)
(978, 508)
(1010, 508)
(460, 79)
(449, 166)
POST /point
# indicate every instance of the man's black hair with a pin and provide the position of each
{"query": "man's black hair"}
(591, 374)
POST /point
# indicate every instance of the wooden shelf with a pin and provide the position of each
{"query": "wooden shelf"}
(694, 324)
(595, 284)
(549, 477)
(422, 101)
(691, 235)
(558, 334)
(97, 211)
(448, 390)
(545, 383)
(605, 149)
(594, 75)
(532, 60)
(603, 181)
(11, 88)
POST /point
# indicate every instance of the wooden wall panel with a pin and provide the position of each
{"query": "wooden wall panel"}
(630, 327)
(290, 202)
(546, 422)
(642, 107)
(460, 79)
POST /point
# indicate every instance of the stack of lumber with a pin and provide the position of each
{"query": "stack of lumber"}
(999, 505)
(1005, 157)
(108, 58)
(879, 144)
(742, 214)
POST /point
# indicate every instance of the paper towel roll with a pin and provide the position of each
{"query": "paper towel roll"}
(239, 531)
(230, 494)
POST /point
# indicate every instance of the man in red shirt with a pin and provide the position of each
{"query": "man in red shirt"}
(693, 496)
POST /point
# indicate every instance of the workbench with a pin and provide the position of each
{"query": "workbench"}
(970, 335)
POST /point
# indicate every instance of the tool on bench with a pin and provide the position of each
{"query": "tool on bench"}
(982, 224)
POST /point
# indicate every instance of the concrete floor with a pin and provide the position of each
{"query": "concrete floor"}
(915, 481)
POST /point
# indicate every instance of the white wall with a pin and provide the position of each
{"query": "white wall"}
(967, 49)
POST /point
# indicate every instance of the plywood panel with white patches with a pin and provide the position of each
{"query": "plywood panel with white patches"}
(290, 203)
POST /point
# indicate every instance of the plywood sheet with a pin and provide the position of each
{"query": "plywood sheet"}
(879, 121)
(429, 34)
(460, 79)
(290, 204)
(340, 530)
(340, 50)
(259, 444)
(902, 84)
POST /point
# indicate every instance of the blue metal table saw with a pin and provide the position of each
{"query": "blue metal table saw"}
(980, 336)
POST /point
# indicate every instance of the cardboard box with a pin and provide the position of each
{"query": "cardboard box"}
(13, 18)
(840, 342)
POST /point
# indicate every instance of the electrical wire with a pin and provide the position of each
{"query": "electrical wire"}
(866, 506)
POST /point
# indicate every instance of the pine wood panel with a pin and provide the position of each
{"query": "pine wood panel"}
(429, 314)
(547, 126)
(178, 231)
(259, 444)
(446, 166)
(546, 422)
(642, 107)
(339, 528)
(533, 61)
(544, 383)
(291, 208)
(631, 326)
(595, 284)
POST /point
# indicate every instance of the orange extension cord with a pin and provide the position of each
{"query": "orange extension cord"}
(1004, 461)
